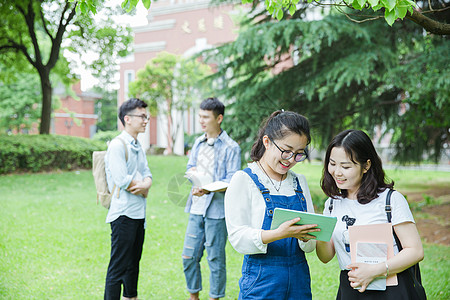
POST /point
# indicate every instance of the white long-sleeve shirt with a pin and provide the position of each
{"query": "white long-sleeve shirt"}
(245, 208)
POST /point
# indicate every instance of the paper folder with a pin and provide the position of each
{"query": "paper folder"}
(374, 233)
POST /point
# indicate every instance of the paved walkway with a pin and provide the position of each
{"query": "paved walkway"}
(443, 168)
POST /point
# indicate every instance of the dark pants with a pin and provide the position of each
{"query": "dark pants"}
(127, 238)
(402, 291)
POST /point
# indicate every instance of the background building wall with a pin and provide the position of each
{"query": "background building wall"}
(76, 117)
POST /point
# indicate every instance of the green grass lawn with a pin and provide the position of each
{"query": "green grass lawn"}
(54, 243)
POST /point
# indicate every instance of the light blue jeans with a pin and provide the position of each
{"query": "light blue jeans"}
(211, 234)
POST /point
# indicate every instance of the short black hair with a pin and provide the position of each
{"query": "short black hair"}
(130, 105)
(213, 104)
(359, 148)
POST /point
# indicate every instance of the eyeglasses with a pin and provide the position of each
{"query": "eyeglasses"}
(287, 154)
(143, 117)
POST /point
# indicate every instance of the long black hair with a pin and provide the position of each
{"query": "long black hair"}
(359, 148)
(278, 125)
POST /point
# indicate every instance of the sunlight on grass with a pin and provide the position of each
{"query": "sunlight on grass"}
(54, 243)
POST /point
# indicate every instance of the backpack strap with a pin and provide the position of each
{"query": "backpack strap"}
(330, 207)
(126, 159)
(125, 147)
(388, 207)
(413, 271)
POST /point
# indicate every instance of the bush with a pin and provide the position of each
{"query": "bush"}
(105, 136)
(189, 140)
(34, 153)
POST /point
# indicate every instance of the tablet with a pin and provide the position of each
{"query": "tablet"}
(325, 223)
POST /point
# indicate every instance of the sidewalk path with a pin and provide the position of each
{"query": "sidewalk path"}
(443, 168)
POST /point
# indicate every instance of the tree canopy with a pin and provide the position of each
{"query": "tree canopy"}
(167, 83)
(340, 75)
(34, 34)
(344, 69)
(432, 15)
(106, 109)
(19, 104)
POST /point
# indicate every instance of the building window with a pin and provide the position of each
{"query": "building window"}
(129, 77)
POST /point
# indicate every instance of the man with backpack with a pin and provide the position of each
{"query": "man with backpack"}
(129, 180)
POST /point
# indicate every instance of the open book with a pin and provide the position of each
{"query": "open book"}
(205, 181)
(372, 253)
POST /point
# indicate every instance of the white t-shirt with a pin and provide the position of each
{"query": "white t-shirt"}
(351, 212)
(205, 165)
(245, 208)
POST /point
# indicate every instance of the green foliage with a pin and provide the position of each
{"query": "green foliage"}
(89, 6)
(106, 109)
(189, 140)
(425, 80)
(428, 201)
(103, 36)
(105, 136)
(129, 5)
(20, 103)
(338, 74)
(394, 9)
(169, 82)
(35, 34)
(35, 153)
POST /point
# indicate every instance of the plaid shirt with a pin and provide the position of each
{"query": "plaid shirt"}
(227, 160)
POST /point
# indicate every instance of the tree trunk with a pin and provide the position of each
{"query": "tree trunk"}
(46, 113)
(169, 127)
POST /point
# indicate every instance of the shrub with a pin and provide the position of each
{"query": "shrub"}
(105, 136)
(189, 140)
(34, 153)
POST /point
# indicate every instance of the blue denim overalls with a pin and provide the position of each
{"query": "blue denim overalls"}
(281, 273)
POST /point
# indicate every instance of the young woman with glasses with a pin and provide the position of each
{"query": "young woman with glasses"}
(274, 264)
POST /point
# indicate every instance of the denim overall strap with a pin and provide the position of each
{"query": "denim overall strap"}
(285, 247)
(266, 195)
(282, 272)
(299, 193)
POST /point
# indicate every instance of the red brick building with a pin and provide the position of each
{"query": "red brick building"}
(76, 117)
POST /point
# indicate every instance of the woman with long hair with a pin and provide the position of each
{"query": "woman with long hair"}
(354, 179)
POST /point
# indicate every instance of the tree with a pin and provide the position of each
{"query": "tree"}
(106, 109)
(340, 74)
(19, 104)
(390, 10)
(432, 15)
(169, 83)
(27, 27)
(424, 79)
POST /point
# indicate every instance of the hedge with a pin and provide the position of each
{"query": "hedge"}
(105, 136)
(35, 153)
